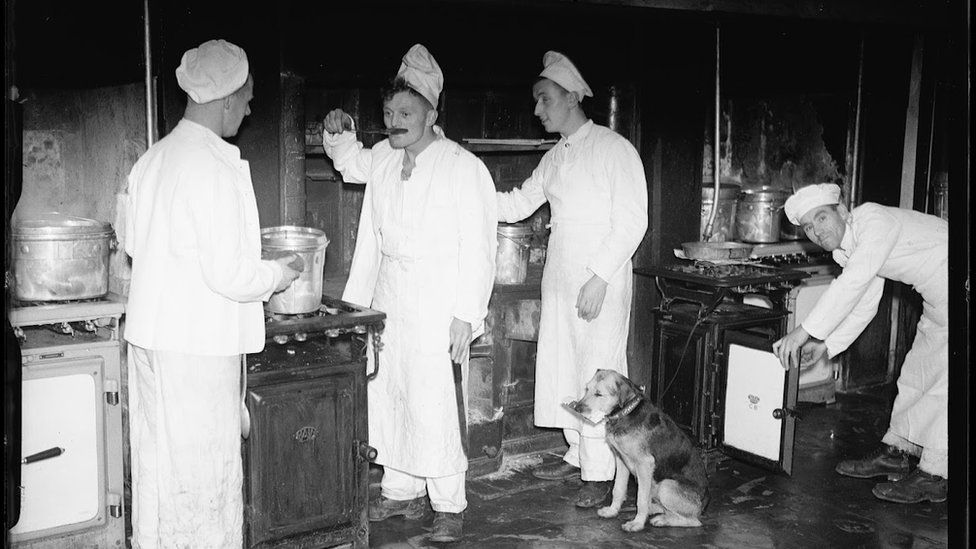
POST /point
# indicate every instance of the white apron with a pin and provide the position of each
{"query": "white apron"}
(185, 428)
(594, 183)
(425, 254)
(571, 350)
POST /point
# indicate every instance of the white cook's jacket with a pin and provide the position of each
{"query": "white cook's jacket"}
(907, 246)
(594, 183)
(425, 254)
(192, 232)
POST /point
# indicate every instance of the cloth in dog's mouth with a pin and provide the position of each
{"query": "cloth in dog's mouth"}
(593, 416)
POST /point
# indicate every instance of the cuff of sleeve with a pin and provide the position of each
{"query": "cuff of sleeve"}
(832, 349)
(277, 273)
(333, 139)
(814, 332)
(600, 271)
(470, 319)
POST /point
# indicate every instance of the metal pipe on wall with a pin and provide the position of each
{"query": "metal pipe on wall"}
(852, 195)
(150, 87)
(716, 171)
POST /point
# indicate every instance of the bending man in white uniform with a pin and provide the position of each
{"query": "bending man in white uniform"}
(594, 182)
(194, 308)
(425, 256)
(872, 243)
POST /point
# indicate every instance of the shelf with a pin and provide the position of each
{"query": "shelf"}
(507, 145)
(483, 148)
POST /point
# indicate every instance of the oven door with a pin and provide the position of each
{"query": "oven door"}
(756, 403)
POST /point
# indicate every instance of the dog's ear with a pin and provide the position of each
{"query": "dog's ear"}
(625, 388)
(628, 389)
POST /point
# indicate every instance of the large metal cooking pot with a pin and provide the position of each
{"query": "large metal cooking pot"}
(789, 231)
(304, 295)
(60, 257)
(760, 214)
(723, 228)
(512, 257)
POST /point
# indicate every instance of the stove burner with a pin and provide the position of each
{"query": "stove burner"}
(714, 270)
(333, 318)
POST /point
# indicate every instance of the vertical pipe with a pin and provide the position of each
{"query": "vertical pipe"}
(858, 107)
(150, 102)
(707, 234)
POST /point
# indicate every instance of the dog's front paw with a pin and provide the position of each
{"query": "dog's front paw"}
(633, 525)
(608, 512)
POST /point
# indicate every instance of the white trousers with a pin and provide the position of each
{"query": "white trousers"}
(446, 493)
(184, 430)
(592, 455)
(930, 460)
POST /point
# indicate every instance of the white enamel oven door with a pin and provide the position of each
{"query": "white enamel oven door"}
(62, 408)
(755, 403)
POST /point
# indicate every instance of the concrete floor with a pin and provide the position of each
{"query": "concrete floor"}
(750, 507)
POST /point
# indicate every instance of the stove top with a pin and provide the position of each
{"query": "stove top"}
(35, 313)
(333, 317)
(712, 275)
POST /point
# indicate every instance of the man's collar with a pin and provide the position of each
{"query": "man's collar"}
(847, 241)
(580, 133)
(206, 133)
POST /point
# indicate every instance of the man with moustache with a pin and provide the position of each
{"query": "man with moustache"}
(425, 256)
(873, 243)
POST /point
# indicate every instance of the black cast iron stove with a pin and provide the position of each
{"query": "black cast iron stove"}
(709, 284)
(306, 461)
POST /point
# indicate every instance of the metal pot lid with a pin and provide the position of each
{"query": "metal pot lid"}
(514, 229)
(293, 238)
(765, 193)
(53, 224)
(726, 191)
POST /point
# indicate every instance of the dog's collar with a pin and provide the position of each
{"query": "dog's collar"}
(627, 408)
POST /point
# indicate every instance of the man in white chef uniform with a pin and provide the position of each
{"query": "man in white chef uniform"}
(194, 308)
(425, 256)
(594, 182)
(872, 243)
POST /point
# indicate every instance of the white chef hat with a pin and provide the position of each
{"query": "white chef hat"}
(559, 69)
(212, 71)
(808, 198)
(422, 73)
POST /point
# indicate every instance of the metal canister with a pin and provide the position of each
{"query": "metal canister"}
(61, 257)
(760, 214)
(304, 295)
(512, 258)
(723, 228)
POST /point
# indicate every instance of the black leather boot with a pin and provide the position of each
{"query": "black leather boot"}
(917, 487)
(885, 461)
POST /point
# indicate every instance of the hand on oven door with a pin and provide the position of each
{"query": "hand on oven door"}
(787, 349)
(811, 353)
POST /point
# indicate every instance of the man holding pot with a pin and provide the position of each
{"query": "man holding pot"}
(194, 308)
(873, 243)
(425, 256)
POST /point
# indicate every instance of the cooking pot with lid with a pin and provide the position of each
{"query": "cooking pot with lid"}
(760, 214)
(723, 228)
(59, 257)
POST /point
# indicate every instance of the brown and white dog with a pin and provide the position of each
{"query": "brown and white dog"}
(671, 479)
